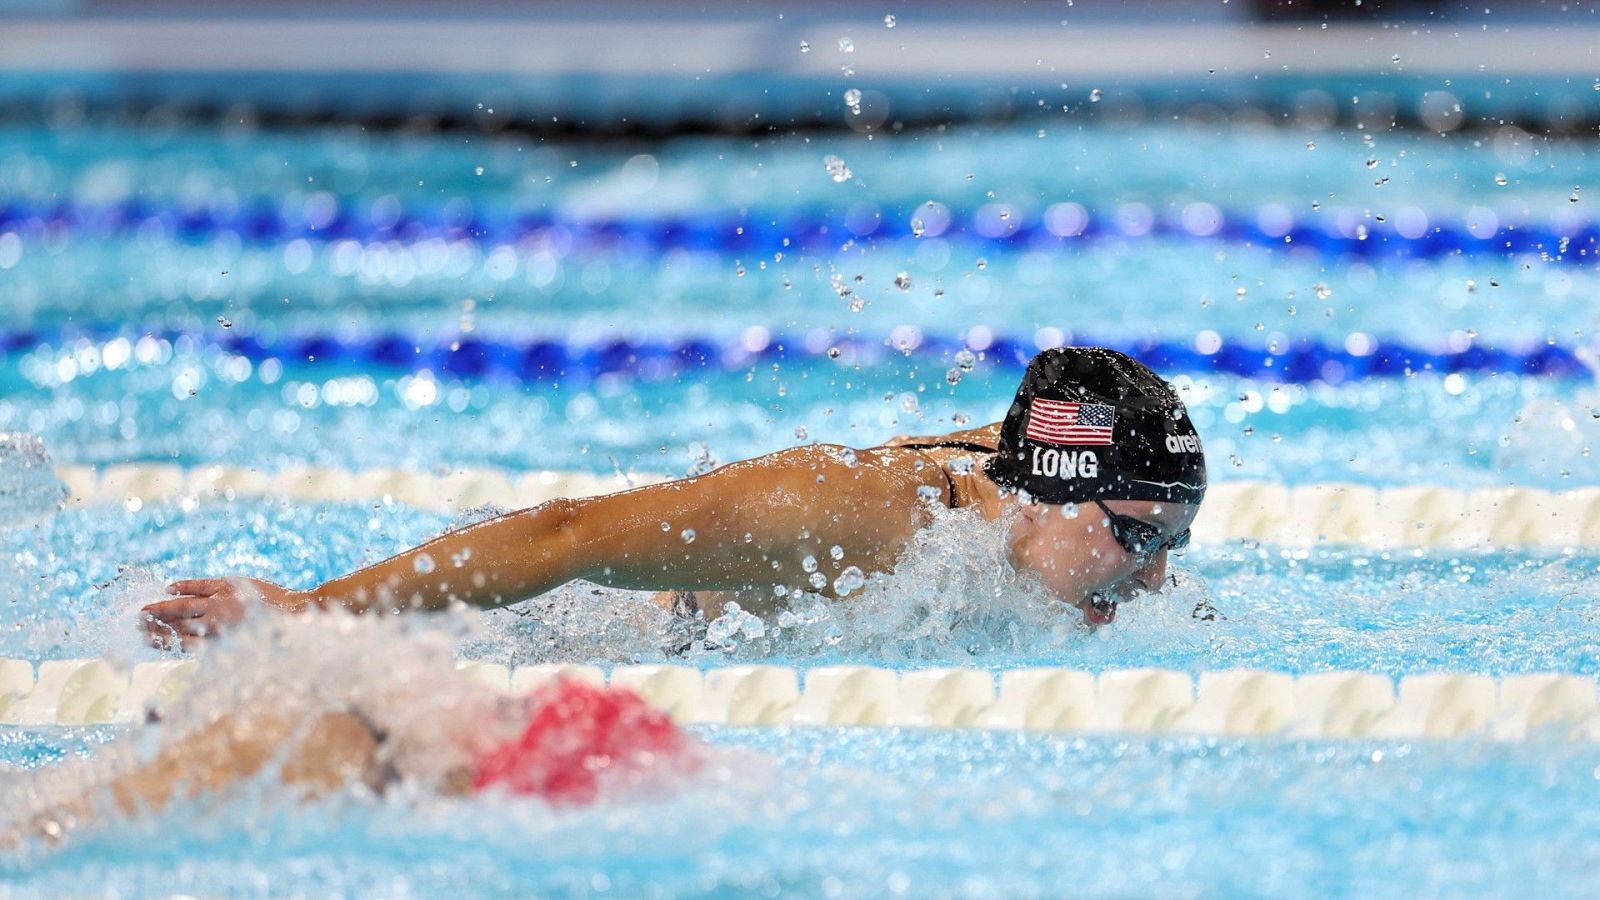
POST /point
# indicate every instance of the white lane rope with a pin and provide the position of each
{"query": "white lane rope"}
(1294, 516)
(1323, 705)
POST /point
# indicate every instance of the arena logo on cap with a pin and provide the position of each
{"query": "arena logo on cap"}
(1183, 443)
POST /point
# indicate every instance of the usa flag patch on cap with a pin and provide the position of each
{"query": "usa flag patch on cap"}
(1067, 423)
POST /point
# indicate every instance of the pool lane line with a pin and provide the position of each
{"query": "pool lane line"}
(1146, 701)
(1253, 512)
(474, 356)
(1408, 232)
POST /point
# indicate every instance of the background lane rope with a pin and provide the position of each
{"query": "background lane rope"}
(1301, 516)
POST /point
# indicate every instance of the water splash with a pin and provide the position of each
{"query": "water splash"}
(1556, 437)
(30, 493)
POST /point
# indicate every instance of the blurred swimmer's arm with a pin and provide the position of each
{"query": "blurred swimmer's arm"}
(328, 752)
(986, 435)
(748, 523)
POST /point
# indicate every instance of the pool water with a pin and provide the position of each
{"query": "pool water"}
(107, 231)
(840, 813)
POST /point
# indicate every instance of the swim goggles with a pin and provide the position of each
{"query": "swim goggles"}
(1140, 538)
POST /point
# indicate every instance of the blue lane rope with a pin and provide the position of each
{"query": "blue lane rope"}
(471, 357)
(264, 222)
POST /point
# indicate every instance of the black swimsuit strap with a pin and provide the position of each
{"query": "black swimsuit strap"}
(955, 445)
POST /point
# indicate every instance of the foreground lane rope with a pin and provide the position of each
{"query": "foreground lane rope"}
(1237, 702)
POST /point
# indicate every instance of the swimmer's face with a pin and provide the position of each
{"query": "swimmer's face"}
(1077, 557)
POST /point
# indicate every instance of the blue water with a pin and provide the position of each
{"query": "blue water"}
(884, 813)
(825, 813)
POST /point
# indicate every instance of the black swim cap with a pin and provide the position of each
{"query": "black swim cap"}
(1093, 424)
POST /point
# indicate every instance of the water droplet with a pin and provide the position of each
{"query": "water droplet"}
(1240, 292)
(952, 376)
(1395, 58)
(836, 552)
(902, 281)
(688, 535)
(666, 526)
(1069, 510)
(801, 434)
(938, 293)
(982, 264)
(857, 304)
(848, 457)
(1322, 291)
(888, 21)
(478, 170)
(223, 321)
(834, 352)
(851, 579)
(918, 229)
(423, 563)
(1311, 145)
(1472, 286)
(1372, 162)
(805, 47)
(1094, 95)
(818, 580)
(846, 45)
(837, 170)
(1574, 197)
(852, 99)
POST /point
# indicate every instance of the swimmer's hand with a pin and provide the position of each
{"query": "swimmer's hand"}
(205, 607)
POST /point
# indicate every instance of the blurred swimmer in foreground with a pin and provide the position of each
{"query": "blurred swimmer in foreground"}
(1096, 460)
(308, 711)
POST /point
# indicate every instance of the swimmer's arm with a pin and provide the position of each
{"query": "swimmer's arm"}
(748, 523)
(986, 435)
(327, 753)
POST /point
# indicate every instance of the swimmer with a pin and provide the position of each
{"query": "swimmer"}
(1096, 458)
(568, 744)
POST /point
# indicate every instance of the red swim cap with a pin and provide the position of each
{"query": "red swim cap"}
(577, 733)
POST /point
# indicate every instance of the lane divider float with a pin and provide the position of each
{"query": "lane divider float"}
(1299, 360)
(1413, 232)
(1237, 702)
(1294, 516)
